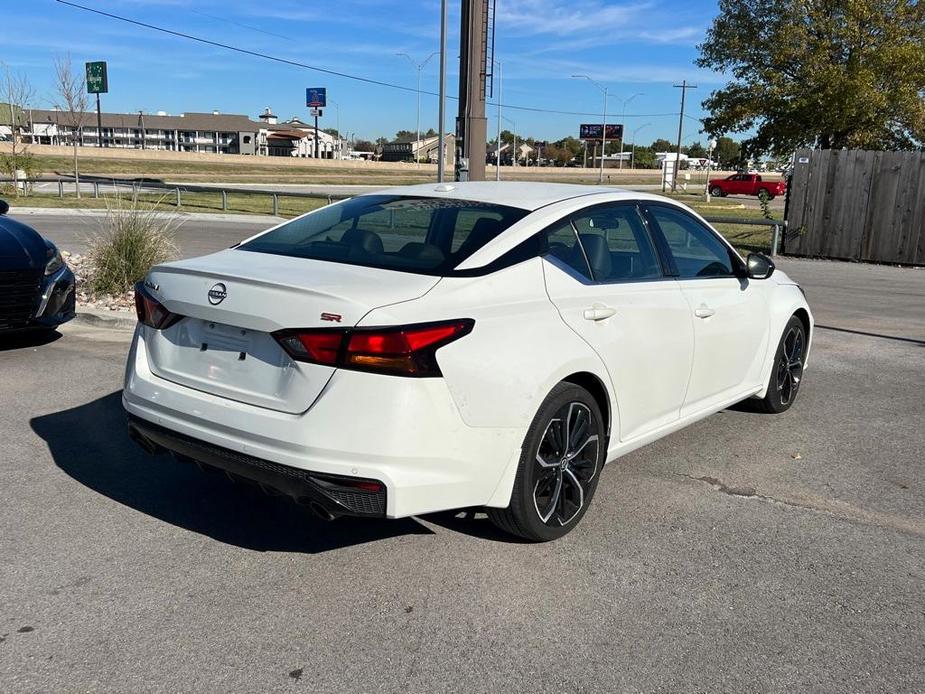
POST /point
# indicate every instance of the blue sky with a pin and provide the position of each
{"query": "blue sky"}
(634, 47)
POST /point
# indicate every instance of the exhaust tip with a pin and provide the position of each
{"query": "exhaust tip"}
(321, 511)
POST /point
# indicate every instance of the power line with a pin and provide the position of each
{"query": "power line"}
(335, 73)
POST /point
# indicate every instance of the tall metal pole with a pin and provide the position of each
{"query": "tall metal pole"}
(623, 133)
(441, 161)
(99, 123)
(684, 86)
(316, 133)
(498, 142)
(600, 178)
(417, 126)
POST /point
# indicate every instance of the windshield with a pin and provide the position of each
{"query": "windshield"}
(422, 235)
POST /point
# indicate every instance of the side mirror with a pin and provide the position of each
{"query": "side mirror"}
(4, 207)
(760, 266)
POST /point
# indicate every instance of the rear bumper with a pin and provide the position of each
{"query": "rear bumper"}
(406, 433)
(337, 496)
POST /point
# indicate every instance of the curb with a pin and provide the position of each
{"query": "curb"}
(110, 320)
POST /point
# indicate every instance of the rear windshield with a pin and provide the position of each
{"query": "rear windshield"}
(421, 235)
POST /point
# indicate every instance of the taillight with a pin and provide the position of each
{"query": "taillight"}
(408, 350)
(150, 311)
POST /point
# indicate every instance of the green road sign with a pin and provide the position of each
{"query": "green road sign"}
(97, 81)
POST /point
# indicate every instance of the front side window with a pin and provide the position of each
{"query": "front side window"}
(695, 249)
(410, 234)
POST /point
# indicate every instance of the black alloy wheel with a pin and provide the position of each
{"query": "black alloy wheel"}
(787, 373)
(559, 468)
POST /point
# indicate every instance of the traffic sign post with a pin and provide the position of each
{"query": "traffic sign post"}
(97, 83)
(316, 98)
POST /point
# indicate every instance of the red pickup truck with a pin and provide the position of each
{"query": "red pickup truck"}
(746, 184)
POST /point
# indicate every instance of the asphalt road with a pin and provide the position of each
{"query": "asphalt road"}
(746, 553)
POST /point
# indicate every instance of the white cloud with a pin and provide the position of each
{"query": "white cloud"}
(563, 18)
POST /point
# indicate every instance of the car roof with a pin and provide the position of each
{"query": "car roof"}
(524, 195)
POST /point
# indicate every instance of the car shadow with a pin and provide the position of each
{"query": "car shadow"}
(472, 522)
(90, 444)
(27, 339)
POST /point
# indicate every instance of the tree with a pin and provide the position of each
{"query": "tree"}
(16, 93)
(834, 74)
(663, 145)
(728, 153)
(644, 158)
(364, 146)
(696, 151)
(72, 102)
(334, 132)
(405, 136)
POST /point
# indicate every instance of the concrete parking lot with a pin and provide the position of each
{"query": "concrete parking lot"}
(746, 553)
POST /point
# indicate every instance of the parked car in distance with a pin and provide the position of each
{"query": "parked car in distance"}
(747, 184)
(37, 289)
(460, 345)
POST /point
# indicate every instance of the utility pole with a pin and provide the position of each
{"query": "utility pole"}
(684, 86)
(471, 124)
(441, 128)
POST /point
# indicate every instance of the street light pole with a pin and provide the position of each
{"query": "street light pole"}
(498, 142)
(623, 124)
(633, 145)
(419, 67)
(603, 88)
(441, 129)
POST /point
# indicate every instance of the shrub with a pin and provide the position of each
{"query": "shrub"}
(132, 238)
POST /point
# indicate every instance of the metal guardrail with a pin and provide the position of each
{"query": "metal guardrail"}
(777, 225)
(137, 185)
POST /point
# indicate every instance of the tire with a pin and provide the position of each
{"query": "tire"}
(717, 192)
(787, 372)
(765, 195)
(550, 498)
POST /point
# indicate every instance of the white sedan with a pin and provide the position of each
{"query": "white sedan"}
(459, 345)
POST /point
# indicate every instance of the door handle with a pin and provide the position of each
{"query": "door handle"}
(704, 312)
(599, 313)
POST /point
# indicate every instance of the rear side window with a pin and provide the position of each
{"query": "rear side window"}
(411, 234)
(617, 244)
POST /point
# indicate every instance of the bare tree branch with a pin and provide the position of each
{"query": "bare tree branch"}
(72, 101)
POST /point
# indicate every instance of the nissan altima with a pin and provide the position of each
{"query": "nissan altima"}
(459, 345)
(37, 289)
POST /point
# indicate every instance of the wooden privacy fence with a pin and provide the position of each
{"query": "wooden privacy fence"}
(857, 205)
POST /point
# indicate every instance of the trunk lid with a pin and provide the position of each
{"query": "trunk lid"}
(231, 302)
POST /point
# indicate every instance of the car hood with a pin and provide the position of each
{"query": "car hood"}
(21, 247)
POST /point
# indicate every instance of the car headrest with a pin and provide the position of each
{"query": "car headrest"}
(598, 254)
(364, 240)
(483, 231)
(422, 251)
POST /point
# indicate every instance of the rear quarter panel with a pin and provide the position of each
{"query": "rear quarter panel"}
(518, 350)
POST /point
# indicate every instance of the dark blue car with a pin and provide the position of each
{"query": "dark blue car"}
(37, 289)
